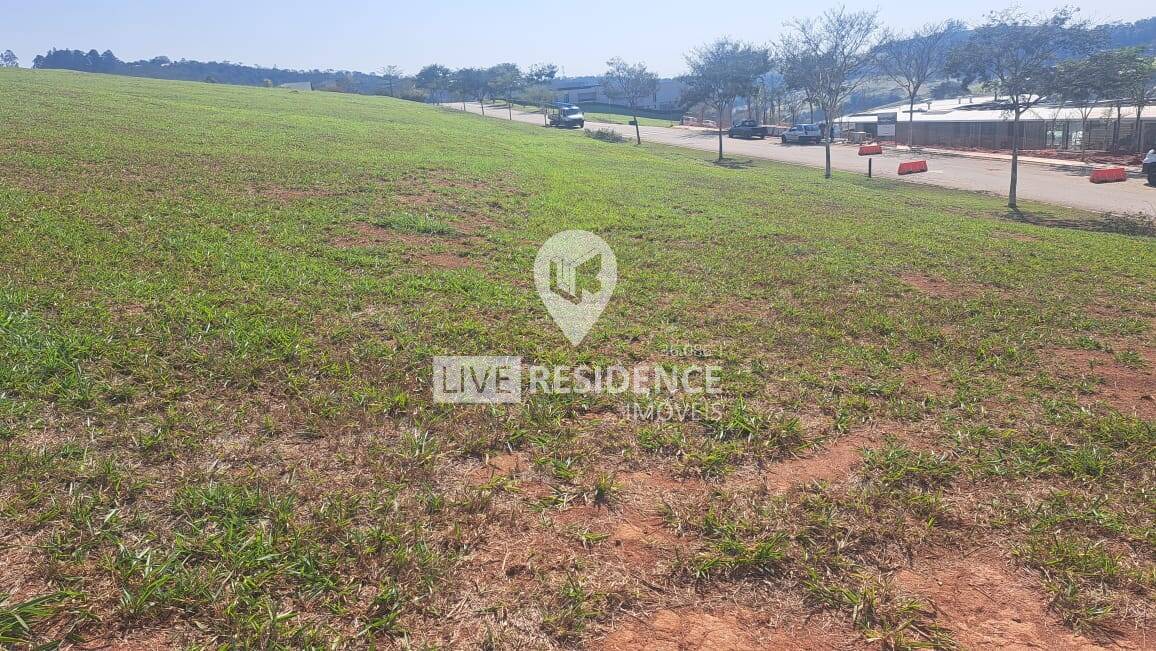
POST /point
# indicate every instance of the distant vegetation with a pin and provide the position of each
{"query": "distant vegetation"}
(221, 72)
(1141, 33)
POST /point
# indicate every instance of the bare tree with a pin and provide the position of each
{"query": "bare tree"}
(391, 75)
(792, 103)
(722, 72)
(1083, 84)
(541, 96)
(630, 84)
(828, 59)
(1015, 56)
(911, 61)
(1138, 85)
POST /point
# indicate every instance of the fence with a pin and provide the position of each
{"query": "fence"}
(1034, 134)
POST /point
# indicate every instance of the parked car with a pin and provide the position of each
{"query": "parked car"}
(803, 134)
(566, 116)
(748, 129)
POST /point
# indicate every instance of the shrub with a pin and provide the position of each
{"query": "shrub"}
(605, 135)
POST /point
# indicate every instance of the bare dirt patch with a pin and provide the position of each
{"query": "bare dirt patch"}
(288, 195)
(987, 605)
(443, 191)
(926, 382)
(732, 629)
(1130, 390)
(413, 247)
(835, 462)
(1019, 237)
(941, 288)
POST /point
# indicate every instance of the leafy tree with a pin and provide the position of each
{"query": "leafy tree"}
(473, 83)
(1015, 56)
(540, 73)
(720, 73)
(9, 60)
(828, 59)
(505, 80)
(434, 78)
(630, 84)
(913, 60)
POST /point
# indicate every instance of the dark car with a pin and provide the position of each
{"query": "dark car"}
(749, 129)
(567, 116)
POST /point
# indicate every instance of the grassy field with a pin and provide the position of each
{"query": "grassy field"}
(218, 308)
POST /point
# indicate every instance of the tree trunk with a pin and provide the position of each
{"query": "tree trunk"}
(827, 147)
(720, 136)
(910, 124)
(1084, 140)
(482, 104)
(637, 133)
(510, 107)
(1116, 128)
(1139, 129)
(1015, 168)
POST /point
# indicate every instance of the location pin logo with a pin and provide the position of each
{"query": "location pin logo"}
(575, 273)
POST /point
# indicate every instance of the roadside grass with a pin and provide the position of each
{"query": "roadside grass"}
(218, 310)
(614, 118)
(603, 116)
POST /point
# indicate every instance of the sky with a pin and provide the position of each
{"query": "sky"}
(366, 36)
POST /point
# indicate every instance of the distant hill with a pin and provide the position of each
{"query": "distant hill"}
(222, 72)
(1141, 33)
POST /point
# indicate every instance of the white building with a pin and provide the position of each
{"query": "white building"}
(982, 122)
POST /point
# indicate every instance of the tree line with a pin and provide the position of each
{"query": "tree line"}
(223, 72)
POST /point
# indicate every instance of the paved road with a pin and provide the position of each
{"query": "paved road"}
(1066, 186)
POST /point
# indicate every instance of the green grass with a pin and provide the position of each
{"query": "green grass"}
(218, 307)
(615, 118)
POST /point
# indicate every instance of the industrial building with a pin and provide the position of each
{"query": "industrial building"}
(985, 123)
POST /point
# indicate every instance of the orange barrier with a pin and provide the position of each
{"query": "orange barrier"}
(870, 150)
(913, 167)
(1109, 175)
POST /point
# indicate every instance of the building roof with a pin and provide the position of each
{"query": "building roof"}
(976, 108)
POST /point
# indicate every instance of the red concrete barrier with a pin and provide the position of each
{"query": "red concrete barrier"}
(1109, 175)
(913, 167)
(870, 150)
